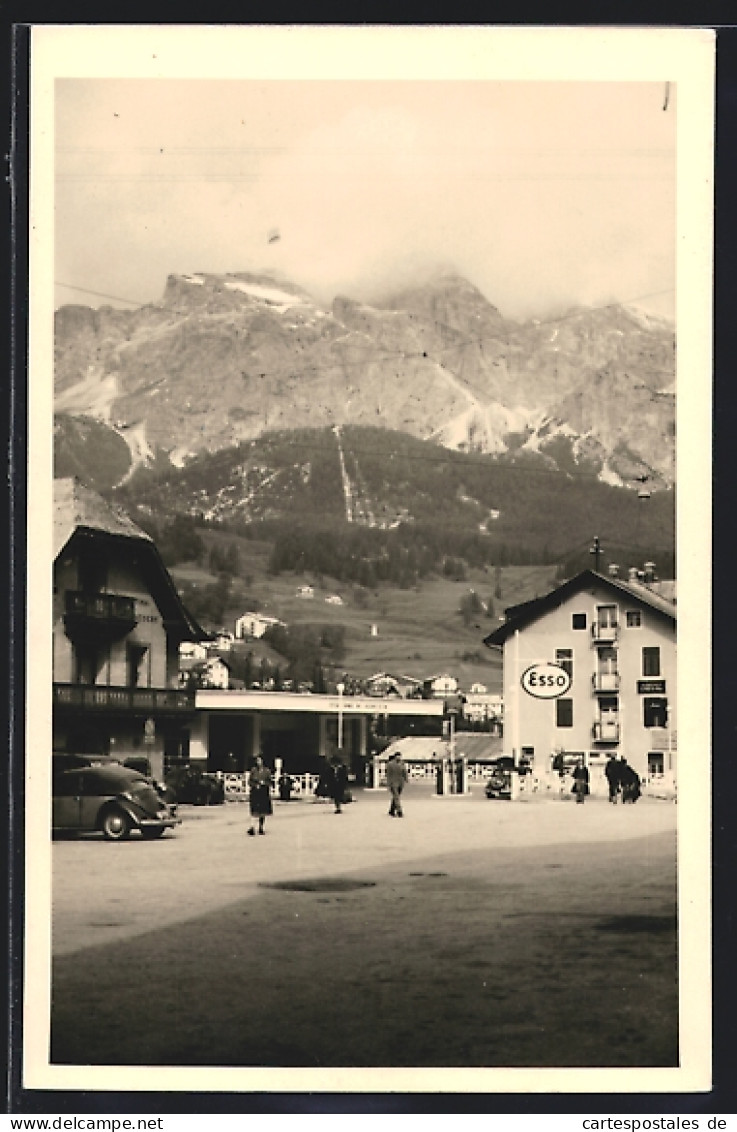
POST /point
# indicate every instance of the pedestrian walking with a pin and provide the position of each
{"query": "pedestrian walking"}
(396, 777)
(338, 781)
(259, 795)
(630, 780)
(613, 777)
(285, 788)
(580, 781)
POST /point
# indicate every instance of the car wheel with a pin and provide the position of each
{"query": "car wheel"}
(116, 825)
(151, 832)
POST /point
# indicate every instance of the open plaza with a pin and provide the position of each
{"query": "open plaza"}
(471, 933)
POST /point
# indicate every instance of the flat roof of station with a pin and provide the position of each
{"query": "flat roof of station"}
(220, 699)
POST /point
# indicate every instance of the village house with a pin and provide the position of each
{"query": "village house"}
(211, 673)
(615, 643)
(481, 705)
(118, 623)
(192, 650)
(254, 625)
(439, 686)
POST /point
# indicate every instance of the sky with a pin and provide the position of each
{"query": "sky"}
(544, 195)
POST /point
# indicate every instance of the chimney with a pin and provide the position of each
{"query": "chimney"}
(632, 573)
(649, 572)
(613, 570)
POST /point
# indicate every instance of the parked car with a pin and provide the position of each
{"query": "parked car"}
(499, 782)
(106, 796)
(190, 786)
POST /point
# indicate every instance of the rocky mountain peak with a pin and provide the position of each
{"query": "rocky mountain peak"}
(224, 358)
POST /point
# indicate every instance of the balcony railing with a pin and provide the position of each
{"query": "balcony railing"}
(98, 612)
(603, 682)
(151, 701)
(604, 634)
(605, 731)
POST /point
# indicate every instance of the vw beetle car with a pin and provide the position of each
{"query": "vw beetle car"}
(101, 794)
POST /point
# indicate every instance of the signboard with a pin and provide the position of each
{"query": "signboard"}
(149, 732)
(545, 681)
(651, 687)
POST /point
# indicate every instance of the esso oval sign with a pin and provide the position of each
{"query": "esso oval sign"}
(546, 681)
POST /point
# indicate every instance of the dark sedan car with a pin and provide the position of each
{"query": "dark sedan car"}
(499, 782)
(111, 798)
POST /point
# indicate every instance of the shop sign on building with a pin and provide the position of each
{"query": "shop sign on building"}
(546, 681)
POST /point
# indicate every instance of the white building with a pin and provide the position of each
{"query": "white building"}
(617, 643)
(192, 650)
(443, 684)
(254, 625)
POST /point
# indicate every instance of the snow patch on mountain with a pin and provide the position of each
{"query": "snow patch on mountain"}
(282, 300)
(93, 396)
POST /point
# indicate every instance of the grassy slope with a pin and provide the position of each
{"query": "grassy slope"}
(420, 632)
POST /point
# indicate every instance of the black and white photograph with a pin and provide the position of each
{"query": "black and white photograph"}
(369, 473)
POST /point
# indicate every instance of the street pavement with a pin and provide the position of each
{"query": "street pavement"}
(471, 932)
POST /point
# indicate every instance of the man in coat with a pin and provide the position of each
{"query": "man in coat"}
(612, 770)
(580, 781)
(396, 776)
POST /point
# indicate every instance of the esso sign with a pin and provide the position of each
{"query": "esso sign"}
(546, 681)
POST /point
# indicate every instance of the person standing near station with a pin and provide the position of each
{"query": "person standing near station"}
(580, 781)
(259, 795)
(338, 781)
(396, 777)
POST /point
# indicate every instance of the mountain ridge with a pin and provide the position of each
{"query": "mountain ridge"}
(223, 359)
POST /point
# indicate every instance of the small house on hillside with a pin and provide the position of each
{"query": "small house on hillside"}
(193, 650)
(305, 592)
(223, 640)
(439, 686)
(334, 599)
(212, 673)
(254, 625)
(382, 684)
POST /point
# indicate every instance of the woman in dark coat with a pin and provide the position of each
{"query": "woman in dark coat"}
(259, 797)
(338, 781)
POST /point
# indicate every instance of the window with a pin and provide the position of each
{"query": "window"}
(92, 570)
(633, 618)
(655, 763)
(655, 711)
(651, 661)
(564, 657)
(578, 621)
(137, 658)
(564, 713)
(606, 616)
(89, 661)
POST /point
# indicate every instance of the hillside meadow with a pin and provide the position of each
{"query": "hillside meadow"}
(416, 632)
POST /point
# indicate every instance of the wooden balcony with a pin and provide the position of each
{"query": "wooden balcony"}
(127, 701)
(604, 634)
(605, 731)
(98, 615)
(604, 683)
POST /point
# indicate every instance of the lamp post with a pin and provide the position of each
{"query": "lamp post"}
(340, 689)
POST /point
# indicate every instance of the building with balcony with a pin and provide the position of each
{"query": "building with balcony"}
(617, 643)
(118, 623)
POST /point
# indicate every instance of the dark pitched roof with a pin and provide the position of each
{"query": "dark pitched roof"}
(81, 512)
(519, 616)
(78, 506)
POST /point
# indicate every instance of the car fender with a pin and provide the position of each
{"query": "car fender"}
(119, 804)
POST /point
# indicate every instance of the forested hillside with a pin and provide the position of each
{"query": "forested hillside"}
(370, 505)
